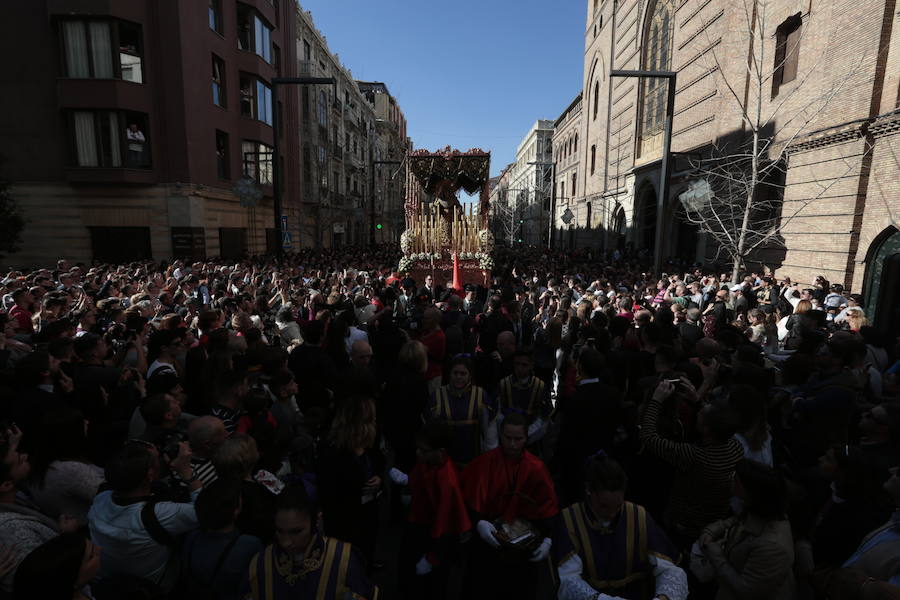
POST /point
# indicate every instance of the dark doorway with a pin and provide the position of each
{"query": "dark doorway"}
(882, 285)
(120, 244)
(273, 241)
(232, 242)
(686, 236)
(646, 232)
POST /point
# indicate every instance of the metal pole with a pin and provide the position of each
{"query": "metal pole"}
(372, 197)
(276, 171)
(372, 207)
(276, 174)
(552, 205)
(665, 170)
(665, 166)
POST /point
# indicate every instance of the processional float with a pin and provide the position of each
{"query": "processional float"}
(444, 238)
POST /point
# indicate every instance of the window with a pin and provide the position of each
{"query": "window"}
(256, 99)
(787, 51)
(574, 177)
(588, 219)
(262, 38)
(263, 102)
(593, 158)
(657, 57)
(576, 142)
(307, 51)
(105, 138)
(596, 98)
(276, 58)
(130, 52)
(254, 34)
(218, 81)
(223, 163)
(215, 16)
(322, 109)
(88, 50)
(257, 159)
(248, 96)
(307, 166)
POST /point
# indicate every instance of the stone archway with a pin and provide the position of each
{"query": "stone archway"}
(882, 283)
(619, 228)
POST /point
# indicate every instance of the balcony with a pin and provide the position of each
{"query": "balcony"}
(306, 68)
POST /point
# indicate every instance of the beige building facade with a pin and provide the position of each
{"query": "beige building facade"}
(826, 89)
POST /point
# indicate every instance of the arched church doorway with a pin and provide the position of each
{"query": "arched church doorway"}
(646, 221)
(882, 285)
(619, 228)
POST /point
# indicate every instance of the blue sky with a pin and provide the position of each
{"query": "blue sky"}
(466, 73)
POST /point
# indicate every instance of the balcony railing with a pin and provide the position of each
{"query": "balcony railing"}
(306, 68)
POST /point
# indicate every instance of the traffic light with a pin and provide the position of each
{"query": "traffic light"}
(379, 226)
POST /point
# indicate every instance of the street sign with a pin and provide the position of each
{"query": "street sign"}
(567, 216)
(286, 241)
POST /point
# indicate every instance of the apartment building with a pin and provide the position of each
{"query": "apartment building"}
(143, 129)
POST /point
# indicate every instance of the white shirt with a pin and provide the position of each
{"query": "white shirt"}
(127, 548)
(670, 580)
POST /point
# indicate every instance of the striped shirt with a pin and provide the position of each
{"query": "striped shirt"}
(204, 470)
(702, 487)
(229, 416)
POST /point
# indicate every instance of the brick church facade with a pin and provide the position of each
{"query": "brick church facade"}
(825, 78)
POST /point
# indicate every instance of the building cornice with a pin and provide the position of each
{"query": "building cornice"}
(877, 127)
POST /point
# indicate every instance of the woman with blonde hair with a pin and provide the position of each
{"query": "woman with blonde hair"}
(348, 475)
(855, 318)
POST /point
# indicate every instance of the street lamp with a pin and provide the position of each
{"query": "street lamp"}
(552, 166)
(372, 197)
(276, 167)
(665, 167)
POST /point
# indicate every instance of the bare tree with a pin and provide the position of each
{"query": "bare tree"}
(505, 214)
(739, 200)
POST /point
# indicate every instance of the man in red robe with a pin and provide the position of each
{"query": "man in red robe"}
(511, 495)
(438, 516)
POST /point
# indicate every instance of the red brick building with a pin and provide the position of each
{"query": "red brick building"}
(126, 125)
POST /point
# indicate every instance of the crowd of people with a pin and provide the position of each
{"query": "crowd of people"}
(578, 427)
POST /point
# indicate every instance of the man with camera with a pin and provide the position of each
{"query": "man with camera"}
(137, 529)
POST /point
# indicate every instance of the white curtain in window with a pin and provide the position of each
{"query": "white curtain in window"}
(75, 42)
(265, 164)
(101, 49)
(115, 137)
(85, 142)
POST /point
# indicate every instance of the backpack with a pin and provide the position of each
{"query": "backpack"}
(134, 587)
